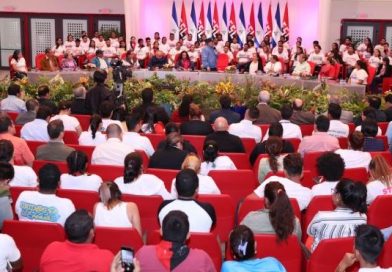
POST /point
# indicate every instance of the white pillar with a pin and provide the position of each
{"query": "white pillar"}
(324, 16)
(132, 19)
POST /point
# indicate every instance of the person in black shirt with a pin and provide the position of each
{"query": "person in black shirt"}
(99, 93)
(44, 99)
(275, 129)
(226, 112)
(195, 126)
(147, 101)
(186, 145)
(78, 104)
(388, 107)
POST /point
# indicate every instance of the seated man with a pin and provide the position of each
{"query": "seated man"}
(226, 141)
(28, 116)
(13, 101)
(302, 69)
(301, 116)
(178, 256)
(77, 253)
(37, 130)
(113, 151)
(43, 205)
(244, 58)
(79, 100)
(10, 254)
(50, 62)
(290, 130)
(201, 216)
(106, 109)
(55, 149)
(225, 111)
(293, 167)
(157, 61)
(320, 140)
(267, 114)
(336, 127)
(44, 98)
(99, 61)
(245, 128)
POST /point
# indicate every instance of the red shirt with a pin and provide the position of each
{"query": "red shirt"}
(176, 118)
(22, 153)
(70, 257)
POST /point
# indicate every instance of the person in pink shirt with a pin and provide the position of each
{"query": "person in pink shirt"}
(320, 140)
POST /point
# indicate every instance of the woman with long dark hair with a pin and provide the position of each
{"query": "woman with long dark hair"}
(278, 215)
(59, 48)
(18, 63)
(360, 73)
(94, 136)
(184, 62)
(274, 162)
(214, 161)
(181, 115)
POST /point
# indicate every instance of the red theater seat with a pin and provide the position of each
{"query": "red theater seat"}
(166, 175)
(106, 172)
(84, 121)
(80, 198)
(241, 160)
(115, 238)
(379, 212)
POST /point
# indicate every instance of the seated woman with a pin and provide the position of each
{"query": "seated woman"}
(94, 136)
(375, 60)
(206, 183)
(59, 48)
(274, 162)
(273, 67)
(70, 123)
(212, 161)
(184, 62)
(277, 217)
(151, 123)
(380, 182)
(68, 63)
(360, 74)
(243, 248)
(384, 70)
(77, 177)
(91, 49)
(182, 113)
(349, 197)
(136, 183)
(112, 212)
(295, 57)
(18, 64)
(254, 65)
(328, 69)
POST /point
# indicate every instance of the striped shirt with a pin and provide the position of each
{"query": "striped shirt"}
(334, 224)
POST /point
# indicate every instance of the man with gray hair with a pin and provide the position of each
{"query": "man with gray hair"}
(300, 116)
(79, 100)
(267, 114)
(346, 116)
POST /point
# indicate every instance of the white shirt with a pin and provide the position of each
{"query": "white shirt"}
(69, 45)
(293, 190)
(165, 48)
(100, 44)
(244, 57)
(194, 56)
(246, 129)
(220, 163)
(13, 103)
(9, 252)
(138, 142)
(112, 152)
(116, 217)
(85, 45)
(290, 130)
(20, 64)
(273, 68)
(302, 68)
(173, 53)
(142, 53)
(358, 75)
(324, 188)
(109, 52)
(103, 64)
(253, 68)
(78, 51)
(86, 138)
(374, 61)
(114, 42)
(284, 54)
(83, 182)
(58, 51)
(376, 188)
(36, 130)
(207, 186)
(24, 177)
(350, 59)
(354, 158)
(145, 184)
(379, 131)
(338, 129)
(34, 206)
(317, 58)
(70, 122)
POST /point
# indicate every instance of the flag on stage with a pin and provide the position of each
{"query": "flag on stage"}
(224, 27)
(201, 26)
(193, 25)
(183, 22)
(268, 26)
(232, 23)
(215, 21)
(285, 25)
(174, 29)
(277, 29)
(242, 26)
(252, 25)
(259, 26)
(209, 21)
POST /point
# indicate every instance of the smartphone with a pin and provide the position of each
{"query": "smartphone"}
(127, 258)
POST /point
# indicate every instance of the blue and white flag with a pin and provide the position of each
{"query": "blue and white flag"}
(225, 26)
(277, 28)
(174, 29)
(259, 27)
(193, 23)
(242, 26)
(209, 21)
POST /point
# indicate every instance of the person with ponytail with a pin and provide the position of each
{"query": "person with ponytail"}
(349, 197)
(94, 136)
(380, 182)
(213, 161)
(278, 215)
(135, 182)
(181, 115)
(112, 212)
(77, 178)
(243, 248)
(274, 163)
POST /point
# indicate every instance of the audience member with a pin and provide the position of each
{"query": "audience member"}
(196, 124)
(36, 130)
(349, 197)
(50, 62)
(336, 127)
(274, 162)
(201, 215)
(346, 116)
(70, 123)
(113, 151)
(78, 252)
(13, 101)
(302, 68)
(44, 99)
(94, 135)
(30, 114)
(43, 205)
(9, 253)
(158, 61)
(55, 149)
(367, 113)
(225, 111)
(172, 253)
(186, 145)
(290, 130)
(213, 161)
(388, 107)
(245, 128)
(380, 182)
(6, 175)
(375, 103)
(359, 74)
(293, 168)
(243, 248)
(147, 101)
(77, 177)
(300, 116)
(106, 111)
(78, 104)
(369, 129)
(320, 140)
(181, 115)
(267, 115)
(99, 93)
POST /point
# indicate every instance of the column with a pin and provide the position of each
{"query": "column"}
(324, 22)
(132, 19)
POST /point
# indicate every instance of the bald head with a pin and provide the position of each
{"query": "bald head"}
(264, 97)
(221, 124)
(114, 131)
(298, 104)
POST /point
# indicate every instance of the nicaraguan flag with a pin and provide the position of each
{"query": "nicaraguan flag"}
(209, 21)
(174, 28)
(277, 29)
(193, 24)
(242, 26)
(224, 27)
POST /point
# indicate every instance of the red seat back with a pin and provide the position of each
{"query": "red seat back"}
(165, 175)
(224, 210)
(310, 160)
(249, 144)
(235, 183)
(329, 253)
(371, 74)
(383, 126)
(386, 154)
(222, 62)
(12, 115)
(386, 84)
(338, 69)
(379, 212)
(241, 160)
(264, 128)
(84, 121)
(32, 238)
(106, 172)
(17, 130)
(16, 191)
(287, 252)
(71, 137)
(38, 58)
(197, 142)
(295, 142)
(312, 67)
(155, 139)
(306, 129)
(37, 164)
(148, 210)
(80, 198)
(357, 174)
(114, 238)
(385, 259)
(33, 145)
(343, 142)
